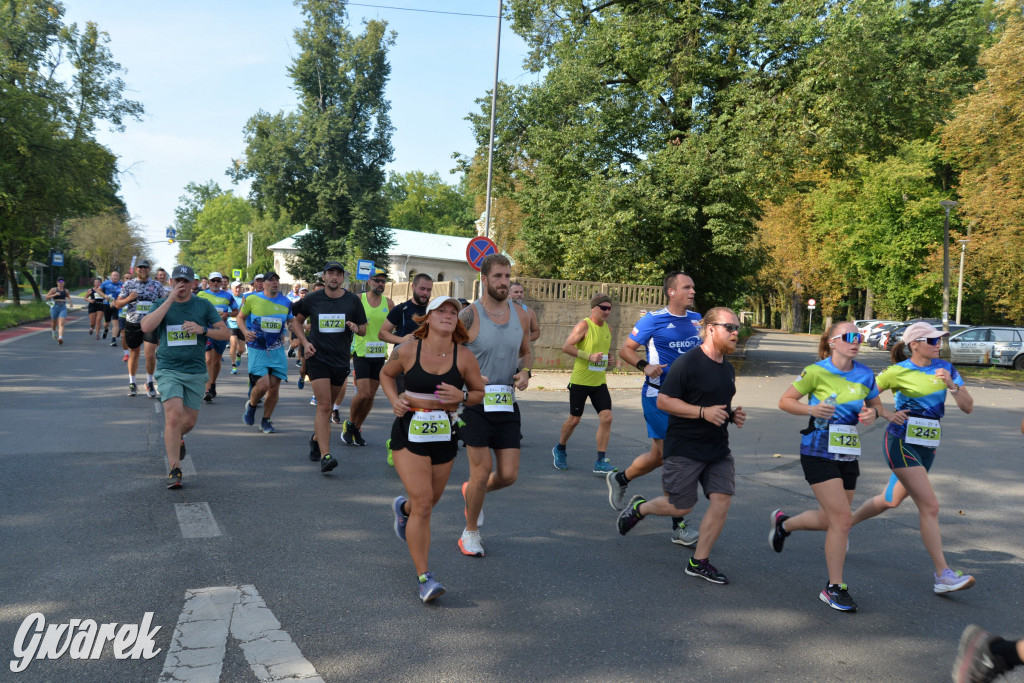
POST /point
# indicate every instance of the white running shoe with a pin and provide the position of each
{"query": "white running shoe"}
(469, 544)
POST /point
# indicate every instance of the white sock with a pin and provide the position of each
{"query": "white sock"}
(131, 379)
(337, 406)
(150, 378)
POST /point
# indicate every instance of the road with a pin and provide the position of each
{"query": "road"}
(88, 531)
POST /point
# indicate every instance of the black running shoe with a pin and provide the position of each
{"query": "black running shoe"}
(150, 390)
(105, 333)
(837, 597)
(631, 516)
(705, 570)
(213, 389)
(181, 450)
(346, 431)
(314, 449)
(777, 536)
(174, 479)
(327, 463)
(975, 661)
(336, 416)
(133, 390)
(357, 436)
(208, 396)
(113, 342)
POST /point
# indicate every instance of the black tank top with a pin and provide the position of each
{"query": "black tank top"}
(60, 296)
(419, 380)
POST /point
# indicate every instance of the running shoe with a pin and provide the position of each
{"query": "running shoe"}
(975, 661)
(181, 450)
(267, 427)
(469, 544)
(301, 384)
(357, 436)
(60, 340)
(559, 458)
(616, 491)
(336, 417)
(113, 342)
(314, 448)
(705, 570)
(391, 454)
(291, 352)
(603, 466)
(125, 358)
(327, 463)
(208, 396)
(429, 587)
(631, 516)
(837, 597)
(133, 390)
(213, 389)
(174, 479)
(777, 536)
(298, 362)
(53, 333)
(234, 370)
(480, 517)
(346, 433)
(685, 535)
(312, 400)
(400, 517)
(150, 390)
(105, 332)
(249, 416)
(949, 581)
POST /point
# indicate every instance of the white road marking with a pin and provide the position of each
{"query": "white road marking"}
(196, 652)
(196, 520)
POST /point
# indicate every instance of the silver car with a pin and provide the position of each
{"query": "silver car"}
(988, 345)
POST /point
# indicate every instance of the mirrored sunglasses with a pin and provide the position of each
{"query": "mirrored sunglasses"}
(932, 341)
(850, 337)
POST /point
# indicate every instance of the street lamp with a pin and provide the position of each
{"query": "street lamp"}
(946, 204)
(960, 284)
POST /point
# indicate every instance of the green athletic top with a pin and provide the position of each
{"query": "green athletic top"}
(598, 339)
(375, 317)
(179, 350)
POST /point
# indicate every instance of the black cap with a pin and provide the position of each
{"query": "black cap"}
(183, 273)
(334, 264)
(143, 264)
(270, 274)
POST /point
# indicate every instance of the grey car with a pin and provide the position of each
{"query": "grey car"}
(989, 345)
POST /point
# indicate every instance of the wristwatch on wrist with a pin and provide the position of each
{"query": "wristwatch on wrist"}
(641, 364)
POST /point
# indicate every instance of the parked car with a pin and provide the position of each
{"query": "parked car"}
(870, 326)
(896, 335)
(989, 345)
(877, 333)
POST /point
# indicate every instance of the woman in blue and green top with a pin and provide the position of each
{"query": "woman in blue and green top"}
(920, 384)
(829, 451)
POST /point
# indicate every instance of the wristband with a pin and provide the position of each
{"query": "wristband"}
(641, 364)
(700, 416)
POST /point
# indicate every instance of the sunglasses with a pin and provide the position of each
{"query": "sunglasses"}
(932, 341)
(729, 327)
(605, 307)
(215, 279)
(850, 337)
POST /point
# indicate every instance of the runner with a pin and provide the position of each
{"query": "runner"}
(920, 384)
(666, 334)
(589, 343)
(59, 310)
(517, 293)
(368, 355)
(697, 393)
(295, 294)
(264, 316)
(137, 297)
(435, 373)
(224, 303)
(237, 338)
(983, 656)
(97, 302)
(150, 341)
(830, 448)
(183, 324)
(112, 288)
(334, 314)
(499, 337)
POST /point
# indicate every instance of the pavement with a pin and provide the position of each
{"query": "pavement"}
(267, 570)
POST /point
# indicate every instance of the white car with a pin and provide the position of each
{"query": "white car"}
(989, 345)
(870, 326)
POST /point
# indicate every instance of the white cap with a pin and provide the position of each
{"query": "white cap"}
(213, 275)
(437, 301)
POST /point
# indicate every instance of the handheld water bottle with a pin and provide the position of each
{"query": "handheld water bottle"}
(822, 422)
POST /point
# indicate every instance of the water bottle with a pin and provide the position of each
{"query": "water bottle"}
(822, 422)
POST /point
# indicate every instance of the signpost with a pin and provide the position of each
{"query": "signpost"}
(236, 274)
(364, 269)
(478, 248)
(810, 313)
(171, 232)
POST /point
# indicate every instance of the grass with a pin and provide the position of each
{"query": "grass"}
(989, 374)
(10, 316)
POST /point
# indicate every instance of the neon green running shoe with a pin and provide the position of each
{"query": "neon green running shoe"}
(391, 459)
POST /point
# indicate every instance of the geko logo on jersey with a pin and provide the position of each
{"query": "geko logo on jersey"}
(81, 639)
(682, 346)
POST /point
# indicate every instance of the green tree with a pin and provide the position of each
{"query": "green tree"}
(220, 236)
(187, 213)
(425, 203)
(323, 165)
(108, 241)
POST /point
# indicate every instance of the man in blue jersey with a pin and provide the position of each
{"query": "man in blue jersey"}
(224, 304)
(665, 335)
(112, 288)
(264, 317)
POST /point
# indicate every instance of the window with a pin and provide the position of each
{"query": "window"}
(440, 277)
(973, 336)
(1004, 336)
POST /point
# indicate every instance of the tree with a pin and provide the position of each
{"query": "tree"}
(220, 236)
(108, 241)
(187, 213)
(425, 203)
(323, 165)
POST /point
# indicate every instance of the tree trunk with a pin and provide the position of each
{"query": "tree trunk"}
(32, 282)
(796, 302)
(11, 266)
(869, 304)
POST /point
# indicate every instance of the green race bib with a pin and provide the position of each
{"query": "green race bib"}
(429, 426)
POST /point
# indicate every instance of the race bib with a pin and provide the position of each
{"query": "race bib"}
(923, 432)
(498, 398)
(143, 307)
(430, 425)
(272, 325)
(179, 337)
(331, 323)
(376, 349)
(843, 440)
(222, 308)
(599, 365)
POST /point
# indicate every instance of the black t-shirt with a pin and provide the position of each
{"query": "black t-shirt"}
(699, 381)
(401, 317)
(327, 317)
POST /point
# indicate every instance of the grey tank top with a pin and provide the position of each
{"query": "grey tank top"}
(496, 347)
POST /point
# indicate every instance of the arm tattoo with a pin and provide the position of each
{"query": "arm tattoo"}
(467, 316)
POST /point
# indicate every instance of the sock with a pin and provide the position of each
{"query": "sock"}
(782, 526)
(131, 379)
(600, 455)
(676, 521)
(621, 478)
(561, 446)
(1007, 650)
(150, 378)
(337, 406)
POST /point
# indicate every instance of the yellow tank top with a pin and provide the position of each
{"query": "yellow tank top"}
(597, 340)
(369, 346)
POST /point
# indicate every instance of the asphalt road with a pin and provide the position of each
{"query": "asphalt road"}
(88, 531)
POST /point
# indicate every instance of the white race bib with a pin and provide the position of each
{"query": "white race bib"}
(429, 426)
(331, 323)
(599, 365)
(923, 432)
(843, 440)
(143, 307)
(179, 337)
(498, 398)
(270, 324)
(376, 349)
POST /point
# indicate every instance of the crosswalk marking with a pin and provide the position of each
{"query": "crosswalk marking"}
(196, 520)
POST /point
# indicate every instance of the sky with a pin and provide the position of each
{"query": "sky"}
(201, 69)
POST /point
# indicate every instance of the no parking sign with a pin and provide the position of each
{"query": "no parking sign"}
(479, 248)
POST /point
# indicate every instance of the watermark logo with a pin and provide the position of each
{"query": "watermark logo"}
(81, 639)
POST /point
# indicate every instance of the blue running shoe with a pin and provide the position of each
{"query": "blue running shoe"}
(429, 587)
(559, 458)
(602, 467)
(400, 517)
(301, 383)
(249, 416)
(267, 427)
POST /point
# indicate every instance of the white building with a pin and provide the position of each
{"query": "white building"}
(442, 257)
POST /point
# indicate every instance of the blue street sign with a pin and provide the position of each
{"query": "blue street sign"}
(364, 269)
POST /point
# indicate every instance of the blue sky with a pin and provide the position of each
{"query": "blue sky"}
(201, 69)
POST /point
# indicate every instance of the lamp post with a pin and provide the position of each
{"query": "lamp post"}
(946, 204)
(960, 284)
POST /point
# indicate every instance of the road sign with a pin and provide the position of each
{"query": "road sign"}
(478, 248)
(810, 303)
(58, 259)
(236, 274)
(364, 269)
